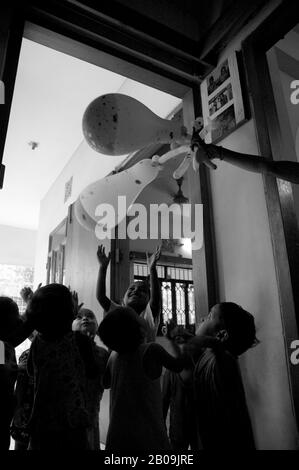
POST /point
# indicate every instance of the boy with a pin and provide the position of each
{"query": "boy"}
(222, 416)
(144, 300)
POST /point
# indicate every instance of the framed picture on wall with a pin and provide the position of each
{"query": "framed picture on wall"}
(222, 100)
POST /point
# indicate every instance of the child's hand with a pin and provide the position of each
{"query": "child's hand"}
(103, 259)
(76, 304)
(26, 293)
(152, 260)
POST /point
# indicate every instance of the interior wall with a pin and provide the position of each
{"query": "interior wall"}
(17, 246)
(247, 277)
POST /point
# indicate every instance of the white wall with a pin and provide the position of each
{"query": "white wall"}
(247, 277)
(17, 246)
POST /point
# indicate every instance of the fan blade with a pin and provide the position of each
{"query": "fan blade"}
(183, 167)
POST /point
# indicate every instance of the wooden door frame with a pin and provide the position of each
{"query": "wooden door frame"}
(278, 193)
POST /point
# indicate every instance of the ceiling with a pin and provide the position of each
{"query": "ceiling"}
(51, 93)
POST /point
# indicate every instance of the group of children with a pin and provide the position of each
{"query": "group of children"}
(61, 378)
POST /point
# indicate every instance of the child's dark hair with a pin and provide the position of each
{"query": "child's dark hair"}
(9, 317)
(51, 310)
(240, 327)
(122, 330)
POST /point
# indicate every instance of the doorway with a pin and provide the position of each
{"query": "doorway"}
(82, 271)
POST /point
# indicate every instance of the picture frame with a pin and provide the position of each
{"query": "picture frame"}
(223, 106)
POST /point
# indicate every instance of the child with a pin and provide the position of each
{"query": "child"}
(177, 391)
(144, 300)
(59, 361)
(86, 323)
(221, 411)
(24, 391)
(9, 314)
(133, 374)
(24, 394)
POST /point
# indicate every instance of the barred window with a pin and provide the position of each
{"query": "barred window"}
(177, 292)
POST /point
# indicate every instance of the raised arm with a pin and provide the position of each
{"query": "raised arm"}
(155, 356)
(155, 300)
(285, 170)
(101, 282)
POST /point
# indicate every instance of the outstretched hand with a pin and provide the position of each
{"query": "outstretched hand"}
(204, 153)
(152, 260)
(27, 293)
(103, 259)
(76, 304)
(203, 156)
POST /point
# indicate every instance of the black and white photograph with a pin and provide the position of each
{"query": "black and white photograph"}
(224, 123)
(216, 78)
(222, 100)
(149, 230)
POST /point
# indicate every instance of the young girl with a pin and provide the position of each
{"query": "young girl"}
(133, 374)
(86, 323)
(24, 393)
(177, 391)
(59, 361)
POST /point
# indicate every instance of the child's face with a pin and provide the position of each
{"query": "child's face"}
(137, 296)
(85, 322)
(212, 324)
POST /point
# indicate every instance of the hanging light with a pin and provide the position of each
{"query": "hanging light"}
(179, 197)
